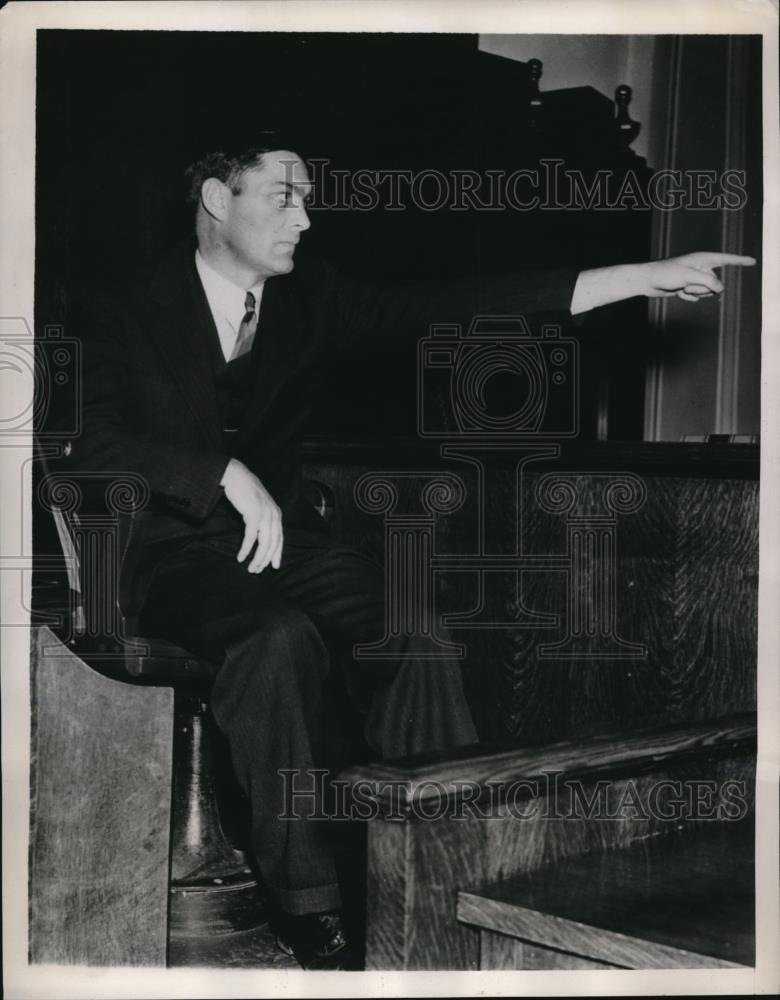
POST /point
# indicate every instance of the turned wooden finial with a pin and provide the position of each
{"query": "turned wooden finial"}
(629, 129)
(535, 101)
(535, 75)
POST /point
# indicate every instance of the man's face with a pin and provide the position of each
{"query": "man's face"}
(264, 222)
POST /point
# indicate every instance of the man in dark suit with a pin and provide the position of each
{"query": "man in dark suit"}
(201, 382)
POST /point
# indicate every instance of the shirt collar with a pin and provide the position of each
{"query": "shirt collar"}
(225, 298)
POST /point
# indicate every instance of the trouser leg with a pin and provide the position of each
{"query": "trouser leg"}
(268, 696)
(412, 703)
(420, 709)
(267, 699)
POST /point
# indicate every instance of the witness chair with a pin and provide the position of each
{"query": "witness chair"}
(136, 839)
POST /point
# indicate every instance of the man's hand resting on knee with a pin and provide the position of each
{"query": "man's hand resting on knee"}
(690, 277)
(261, 514)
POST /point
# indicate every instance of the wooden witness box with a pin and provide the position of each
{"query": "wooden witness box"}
(460, 877)
(532, 880)
(605, 820)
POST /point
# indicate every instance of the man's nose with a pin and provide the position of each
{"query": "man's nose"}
(302, 220)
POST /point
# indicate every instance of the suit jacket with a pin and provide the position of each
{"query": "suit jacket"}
(149, 399)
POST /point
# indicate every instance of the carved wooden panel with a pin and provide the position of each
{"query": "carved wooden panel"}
(686, 588)
(685, 572)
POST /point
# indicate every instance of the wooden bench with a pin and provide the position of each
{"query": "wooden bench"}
(667, 902)
(440, 847)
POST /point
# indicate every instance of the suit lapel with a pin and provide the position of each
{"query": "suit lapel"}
(181, 329)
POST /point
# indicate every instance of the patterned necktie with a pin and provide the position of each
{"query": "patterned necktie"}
(247, 330)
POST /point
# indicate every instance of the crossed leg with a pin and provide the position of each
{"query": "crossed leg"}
(273, 633)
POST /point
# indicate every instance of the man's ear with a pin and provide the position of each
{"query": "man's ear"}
(214, 197)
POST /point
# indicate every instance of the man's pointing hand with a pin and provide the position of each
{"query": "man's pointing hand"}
(690, 277)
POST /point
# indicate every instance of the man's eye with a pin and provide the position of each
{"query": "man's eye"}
(283, 201)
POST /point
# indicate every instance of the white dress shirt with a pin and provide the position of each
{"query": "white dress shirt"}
(226, 302)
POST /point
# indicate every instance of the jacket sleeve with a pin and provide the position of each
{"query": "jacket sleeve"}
(184, 480)
(367, 313)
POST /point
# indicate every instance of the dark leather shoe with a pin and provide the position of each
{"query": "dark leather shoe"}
(315, 940)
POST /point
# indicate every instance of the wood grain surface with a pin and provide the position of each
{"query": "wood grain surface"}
(99, 813)
(501, 952)
(414, 872)
(549, 831)
(685, 570)
(389, 889)
(417, 780)
(417, 866)
(686, 576)
(664, 902)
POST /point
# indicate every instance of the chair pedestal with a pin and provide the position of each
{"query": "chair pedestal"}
(213, 889)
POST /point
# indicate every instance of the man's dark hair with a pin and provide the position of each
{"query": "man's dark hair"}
(230, 166)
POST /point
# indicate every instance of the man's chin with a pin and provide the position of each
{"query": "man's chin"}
(284, 263)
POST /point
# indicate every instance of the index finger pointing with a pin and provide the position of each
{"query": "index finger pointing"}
(720, 259)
